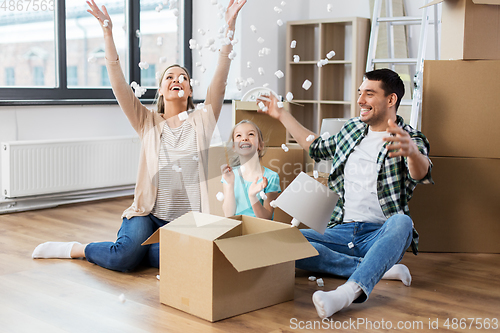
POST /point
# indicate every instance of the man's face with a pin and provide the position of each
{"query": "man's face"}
(375, 106)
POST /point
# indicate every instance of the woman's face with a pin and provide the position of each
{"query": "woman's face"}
(173, 82)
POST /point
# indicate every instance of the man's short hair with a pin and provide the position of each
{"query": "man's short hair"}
(391, 82)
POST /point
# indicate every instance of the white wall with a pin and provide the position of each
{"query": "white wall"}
(66, 122)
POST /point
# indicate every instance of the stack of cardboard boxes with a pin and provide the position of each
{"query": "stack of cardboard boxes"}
(288, 164)
(460, 117)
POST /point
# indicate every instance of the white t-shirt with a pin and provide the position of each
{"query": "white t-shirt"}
(361, 202)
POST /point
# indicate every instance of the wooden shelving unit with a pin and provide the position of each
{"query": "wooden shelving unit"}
(333, 93)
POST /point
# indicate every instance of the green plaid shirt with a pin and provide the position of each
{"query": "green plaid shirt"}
(394, 184)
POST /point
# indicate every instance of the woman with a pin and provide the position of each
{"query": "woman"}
(172, 172)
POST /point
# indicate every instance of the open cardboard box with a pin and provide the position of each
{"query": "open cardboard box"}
(215, 267)
(470, 29)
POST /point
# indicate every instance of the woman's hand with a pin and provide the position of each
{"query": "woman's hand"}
(227, 174)
(101, 16)
(232, 12)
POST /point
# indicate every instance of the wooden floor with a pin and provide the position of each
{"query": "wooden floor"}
(62, 295)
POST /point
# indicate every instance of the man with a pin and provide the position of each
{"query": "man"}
(377, 162)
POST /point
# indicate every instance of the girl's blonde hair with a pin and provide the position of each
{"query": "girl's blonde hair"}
(235, 159)
(160, 104)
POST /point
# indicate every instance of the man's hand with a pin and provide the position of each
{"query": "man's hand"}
(401, 143)
(271, 102)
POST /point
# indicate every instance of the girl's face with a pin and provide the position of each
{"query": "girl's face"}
(175, 80)
(246, 139)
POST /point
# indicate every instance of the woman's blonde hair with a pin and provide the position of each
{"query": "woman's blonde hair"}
(235, 160)
(160, 104)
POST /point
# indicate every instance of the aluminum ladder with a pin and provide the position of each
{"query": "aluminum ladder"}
(418, 62)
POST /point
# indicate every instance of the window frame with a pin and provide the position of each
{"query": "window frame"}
(63, 95)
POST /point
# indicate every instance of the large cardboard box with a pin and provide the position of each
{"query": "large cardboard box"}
(287, 164)
(272, 129)
(460, 212)
(470, 29)
(215, 267)
(460, 114)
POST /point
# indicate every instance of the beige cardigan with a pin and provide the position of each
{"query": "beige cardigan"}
(149, 124)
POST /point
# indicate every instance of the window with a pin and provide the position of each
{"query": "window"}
(148, 77)
(10, 78)
(72, 76)
(57, 50)
(104, 77)
(38, 76)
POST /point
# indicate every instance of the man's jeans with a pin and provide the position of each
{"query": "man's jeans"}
(127, 252)
(360, 251)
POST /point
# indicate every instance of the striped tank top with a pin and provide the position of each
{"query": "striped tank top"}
(178, 181)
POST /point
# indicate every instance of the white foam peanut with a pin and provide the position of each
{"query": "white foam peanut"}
(279, 74)
(183, 115)
(307, 84)
(262, 195)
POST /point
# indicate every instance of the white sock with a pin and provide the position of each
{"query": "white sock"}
(398, 272)
(50, 250)
(329, 302)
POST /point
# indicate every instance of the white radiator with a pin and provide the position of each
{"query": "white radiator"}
(32, 168)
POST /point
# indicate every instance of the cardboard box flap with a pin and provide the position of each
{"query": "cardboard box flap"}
(204, 226)
(154, 238)
(265, 249)
(477, 2)
(199, 225)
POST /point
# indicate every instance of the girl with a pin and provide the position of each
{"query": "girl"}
(172, 170)
(248, 188)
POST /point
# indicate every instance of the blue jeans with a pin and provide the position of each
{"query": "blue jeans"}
(377, 247)
(127, 252)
